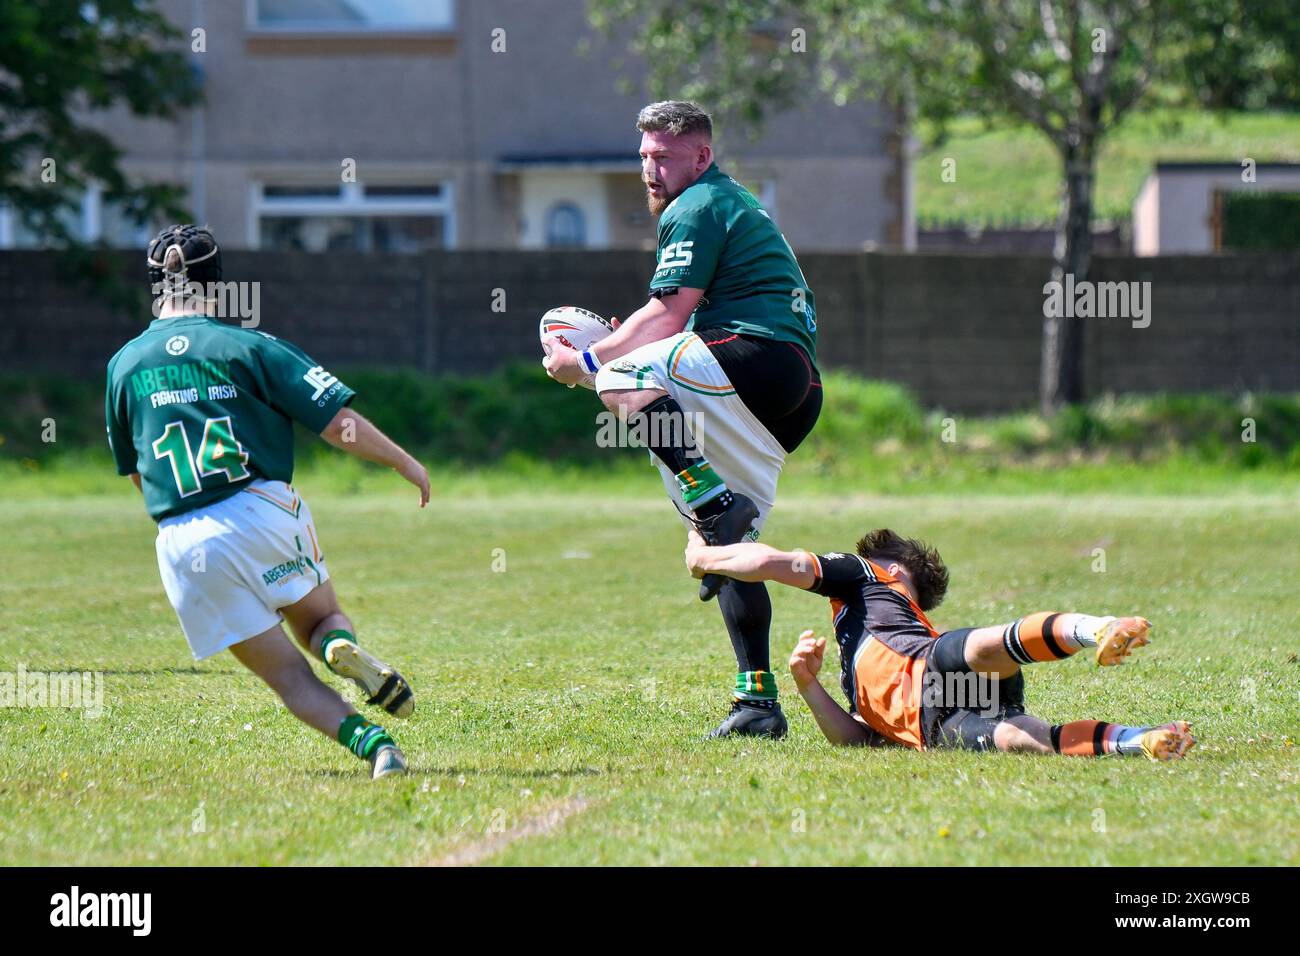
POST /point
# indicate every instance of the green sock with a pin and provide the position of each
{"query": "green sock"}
(361, 736)
(699, 483)
(756, 685)
(338, 634)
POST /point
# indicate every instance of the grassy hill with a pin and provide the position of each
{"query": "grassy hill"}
(1010, 176)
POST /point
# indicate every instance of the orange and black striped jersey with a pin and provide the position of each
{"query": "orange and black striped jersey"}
(883, 638)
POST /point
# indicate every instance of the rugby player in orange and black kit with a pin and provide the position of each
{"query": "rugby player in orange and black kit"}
(911, 685)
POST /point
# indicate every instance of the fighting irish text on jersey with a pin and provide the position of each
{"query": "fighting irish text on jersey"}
(200, 408)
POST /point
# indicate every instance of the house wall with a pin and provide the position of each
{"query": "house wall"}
(1177, 205)
(446, 108)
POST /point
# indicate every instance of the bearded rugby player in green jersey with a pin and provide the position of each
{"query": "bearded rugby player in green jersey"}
(719, 368)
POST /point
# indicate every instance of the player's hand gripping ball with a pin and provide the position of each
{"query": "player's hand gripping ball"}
(569, 329)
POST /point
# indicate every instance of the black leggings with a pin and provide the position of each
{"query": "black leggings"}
(963, 722)
(779, 385)
(775, 380)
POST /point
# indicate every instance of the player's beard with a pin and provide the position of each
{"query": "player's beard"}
(657, 204)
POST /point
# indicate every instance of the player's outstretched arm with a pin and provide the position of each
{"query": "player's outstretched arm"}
(748, 561)
(353, 433)
(836, 723)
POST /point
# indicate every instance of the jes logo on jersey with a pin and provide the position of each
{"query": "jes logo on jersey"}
(677, 255)
(320, 380)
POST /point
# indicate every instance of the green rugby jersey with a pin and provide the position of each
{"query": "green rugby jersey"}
(717, 237)
(200, 408)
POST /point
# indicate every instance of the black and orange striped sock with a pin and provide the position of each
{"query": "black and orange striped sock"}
(1046, 636)
(1095, 738)
(1080, 738)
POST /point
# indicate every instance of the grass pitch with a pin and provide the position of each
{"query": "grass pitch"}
(566, 672)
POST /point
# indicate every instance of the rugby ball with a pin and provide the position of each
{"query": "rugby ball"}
(575, 328)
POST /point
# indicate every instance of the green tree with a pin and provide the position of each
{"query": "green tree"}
(1072, 69)
(61, 62)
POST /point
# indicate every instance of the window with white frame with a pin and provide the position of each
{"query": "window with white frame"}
(16, 234)
(91, 218)
(351, 16)
(353, 217)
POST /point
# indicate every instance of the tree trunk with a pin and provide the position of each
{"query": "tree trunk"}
(1061, 381)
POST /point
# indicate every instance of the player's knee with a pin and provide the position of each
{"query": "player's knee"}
(614, 393)
(624, 401)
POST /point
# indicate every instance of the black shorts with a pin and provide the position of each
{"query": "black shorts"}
(775, 380)
(961, 708)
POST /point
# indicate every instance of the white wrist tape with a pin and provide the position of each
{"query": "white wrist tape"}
(590, 364)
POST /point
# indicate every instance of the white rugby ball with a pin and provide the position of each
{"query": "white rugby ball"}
(576, 328)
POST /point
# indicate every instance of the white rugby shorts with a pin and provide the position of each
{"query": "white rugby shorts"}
(229, 567)
(742, 451)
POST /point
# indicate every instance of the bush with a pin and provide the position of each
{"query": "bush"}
(861, 413)
(516, 410)
(1261, 220)
(518, 415)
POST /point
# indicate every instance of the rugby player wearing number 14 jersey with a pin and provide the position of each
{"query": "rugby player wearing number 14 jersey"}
(200, 416)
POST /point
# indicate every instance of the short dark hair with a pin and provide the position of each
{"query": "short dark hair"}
(675, 117)
(929, 574)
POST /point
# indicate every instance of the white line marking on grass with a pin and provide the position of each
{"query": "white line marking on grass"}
(539, 824)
